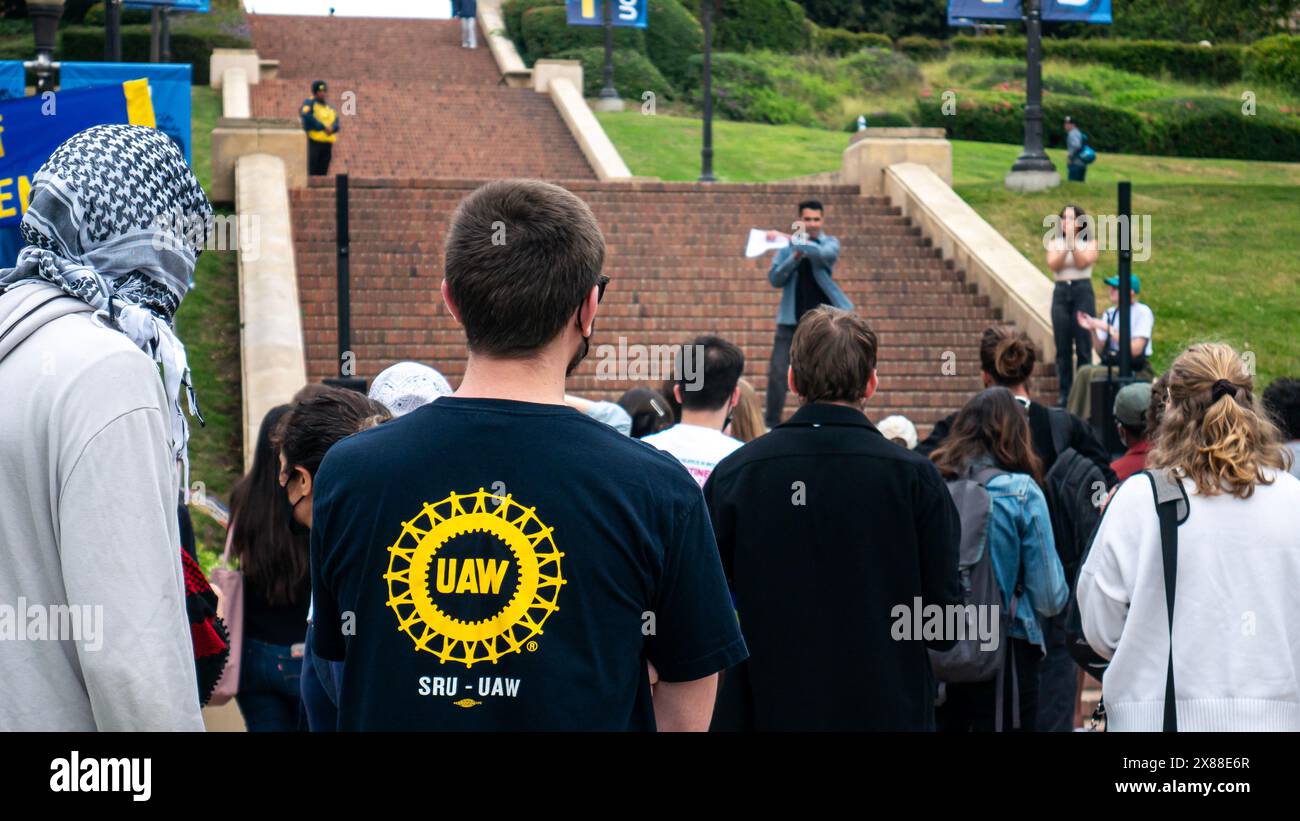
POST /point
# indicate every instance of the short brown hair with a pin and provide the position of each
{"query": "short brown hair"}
(833, 354)
(520, 257)
(1007, 356)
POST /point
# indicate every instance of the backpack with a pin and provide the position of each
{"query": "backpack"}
(965, 661)
(1086, 154)
(1069, 487)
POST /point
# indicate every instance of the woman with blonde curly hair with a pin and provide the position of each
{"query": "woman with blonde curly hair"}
(1235, 656)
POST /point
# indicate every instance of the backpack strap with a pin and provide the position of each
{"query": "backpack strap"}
(1059, 423)
(1171, 507)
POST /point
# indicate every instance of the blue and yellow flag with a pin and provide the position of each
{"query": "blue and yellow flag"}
(32, 127)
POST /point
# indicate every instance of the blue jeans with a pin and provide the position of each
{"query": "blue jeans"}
(1058, 680)
(320, 687)
(268, 687)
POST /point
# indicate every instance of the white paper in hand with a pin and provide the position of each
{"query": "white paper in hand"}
(758, 243)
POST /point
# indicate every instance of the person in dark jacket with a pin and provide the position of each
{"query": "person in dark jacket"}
(1007, 359)
(321, 122)
(826, 528)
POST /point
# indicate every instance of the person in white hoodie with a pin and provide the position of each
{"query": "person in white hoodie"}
(93, 628)
(1235, 635)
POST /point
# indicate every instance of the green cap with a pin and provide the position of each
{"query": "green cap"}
(1133, 278)
(1131, 403)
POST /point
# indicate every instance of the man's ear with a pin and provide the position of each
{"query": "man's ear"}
(677, 392)
(789, 380)
(872, 384)
(587, 310)
(735, 396)
(449, 302)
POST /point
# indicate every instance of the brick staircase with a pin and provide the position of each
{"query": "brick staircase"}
(675, 258)
(675, 250)
(424, 106)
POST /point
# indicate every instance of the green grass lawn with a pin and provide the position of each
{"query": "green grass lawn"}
(208, 324)
(1223, 265)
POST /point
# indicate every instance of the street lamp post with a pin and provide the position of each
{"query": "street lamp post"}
(608, 100)
(45, 16)
(1033, 170)
(706, 87)
(113, 31)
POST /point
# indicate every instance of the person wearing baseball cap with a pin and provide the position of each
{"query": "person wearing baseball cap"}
(1105, 341)
(321, 122)
(1131, 405)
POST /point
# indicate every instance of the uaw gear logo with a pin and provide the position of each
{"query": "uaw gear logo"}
(474, 577)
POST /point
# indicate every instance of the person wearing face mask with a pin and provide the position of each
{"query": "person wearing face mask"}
(498, 560)
(708, 400)
(303, 436)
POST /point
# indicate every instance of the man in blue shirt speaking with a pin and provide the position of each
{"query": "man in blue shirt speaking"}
(803, 270)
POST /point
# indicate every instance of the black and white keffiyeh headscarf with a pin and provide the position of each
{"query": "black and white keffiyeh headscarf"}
(106, 222)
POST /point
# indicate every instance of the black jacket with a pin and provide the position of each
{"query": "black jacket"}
(1082, 439)
(825, 527)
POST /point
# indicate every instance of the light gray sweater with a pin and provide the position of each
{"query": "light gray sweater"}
(93, 630)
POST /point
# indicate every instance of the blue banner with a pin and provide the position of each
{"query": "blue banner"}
(180, 5)
(967, 12)
(34, 126)
(13, 79)
(627, 13)
(169, 84)
(972, 10)
(1096, 12)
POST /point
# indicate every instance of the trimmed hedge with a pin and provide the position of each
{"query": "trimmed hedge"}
(546, 32)
(1217, 127)
(838, 42)
(879, 69)
(1153, 58)
(634, 74)
(922, 49)
(672, 35)
(1276, 61)
(1192, 127)
(87, 43)
(130, 17)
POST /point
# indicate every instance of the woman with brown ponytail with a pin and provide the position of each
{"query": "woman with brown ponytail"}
(1236, 639)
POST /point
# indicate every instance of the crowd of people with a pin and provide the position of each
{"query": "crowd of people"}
(508, 556)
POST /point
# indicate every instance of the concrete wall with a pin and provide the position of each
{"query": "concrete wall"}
(236, 101)
(224, 58)
(493, 26)
(872, 150)
(592, 139)
(235, 138)
(546, 70)
(271, 343)
(1013, 283)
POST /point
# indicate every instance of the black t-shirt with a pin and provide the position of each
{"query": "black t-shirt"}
(282, 624)
(486, 564)
(807, 293)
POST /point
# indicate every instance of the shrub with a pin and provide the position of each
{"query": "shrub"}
(754, 25)
(745, 89)
(878, 69)
(512, 13)
(87, 43)
(672, 35)
(634, 74)
(838, 42)
(129, 17)
(922, 49)
(546, 33)
(1216, 127)
(1276, 61)
(1217, 64)
(883, 119)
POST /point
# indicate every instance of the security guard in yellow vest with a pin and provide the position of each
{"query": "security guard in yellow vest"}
(321, 122)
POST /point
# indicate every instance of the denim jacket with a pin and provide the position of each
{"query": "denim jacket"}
(1020, 533)
(822, 252)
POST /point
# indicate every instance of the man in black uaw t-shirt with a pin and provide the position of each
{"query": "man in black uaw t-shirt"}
(497, 560)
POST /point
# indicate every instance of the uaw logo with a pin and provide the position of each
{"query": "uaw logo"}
(474, 577)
